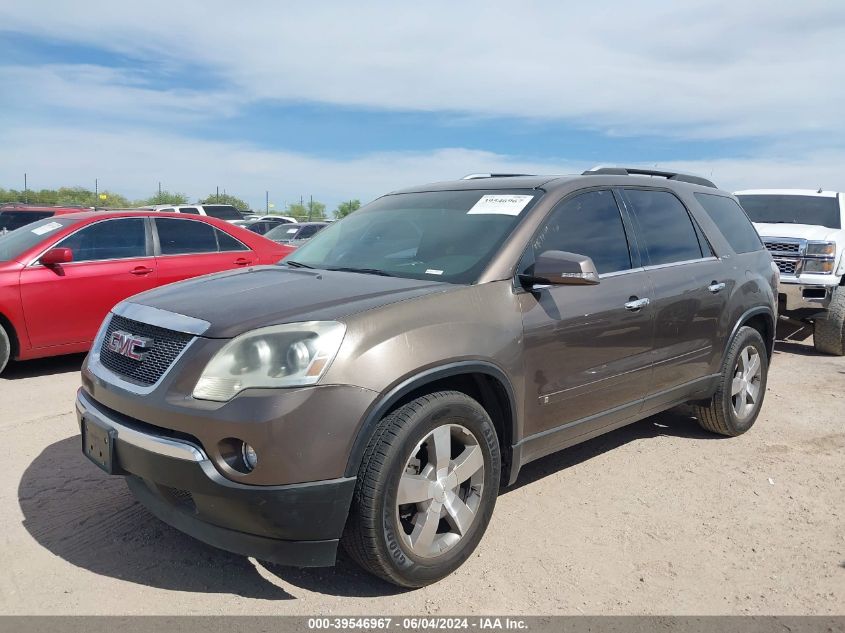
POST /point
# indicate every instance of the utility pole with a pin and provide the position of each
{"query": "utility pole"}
(159, 192)
(310, 208)
(25, 189)
(96, 191)
(266, 202)
(217, 197)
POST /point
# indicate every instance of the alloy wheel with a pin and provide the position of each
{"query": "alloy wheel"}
(745, 386)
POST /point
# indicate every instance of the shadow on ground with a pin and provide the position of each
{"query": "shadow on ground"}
(91, 520)
(17, 370)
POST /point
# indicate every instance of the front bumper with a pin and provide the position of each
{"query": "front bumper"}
(794, 296)
(296, 524)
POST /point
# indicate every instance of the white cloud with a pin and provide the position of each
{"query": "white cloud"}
(687, 69)
(132, 162)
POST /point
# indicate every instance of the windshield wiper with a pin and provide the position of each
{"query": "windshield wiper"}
(294, 264)
(366, 271)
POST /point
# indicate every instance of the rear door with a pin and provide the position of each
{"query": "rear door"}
(188, 248)
(690, 290)
(112, 260)
(587, 355)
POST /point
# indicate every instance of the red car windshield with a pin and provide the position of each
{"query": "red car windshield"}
(14, 243)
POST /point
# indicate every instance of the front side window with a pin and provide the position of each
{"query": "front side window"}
(448, 236)
(181, 237)
(123, 238)
(665, 228)
(588, 224)
(732, 222)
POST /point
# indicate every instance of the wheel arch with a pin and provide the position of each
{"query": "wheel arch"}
(480, 380)
(14, 342)
(761, 319)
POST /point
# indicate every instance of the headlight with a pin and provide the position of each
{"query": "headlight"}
(821, 248)
(289, 355)
(823, 266)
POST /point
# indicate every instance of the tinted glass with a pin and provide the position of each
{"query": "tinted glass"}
(228, 243)
(14, 243)
(666, 229)
(192, 210)
(588, 224)
(109, 239)
(818, 210)
(282, 233)
(732, 222)
(180, 237)
(308, 231)
(11, 220)
(168, 210)
(222, 211)
(439, 235)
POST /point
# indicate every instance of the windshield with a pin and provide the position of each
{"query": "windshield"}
(440, 236)
(284, 233)
(11, 220)
(818, 210)
(16, 242)
(222, 212)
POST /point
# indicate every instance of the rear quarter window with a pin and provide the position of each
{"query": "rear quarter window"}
(732, 222)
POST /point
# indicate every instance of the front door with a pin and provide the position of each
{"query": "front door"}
(587, 348)
(66, 304)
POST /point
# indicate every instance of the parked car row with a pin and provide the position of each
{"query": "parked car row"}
(376, 388)
(60, 276)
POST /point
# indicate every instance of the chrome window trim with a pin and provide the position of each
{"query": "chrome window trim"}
(681, 263)
(177, 449)
(618, 273)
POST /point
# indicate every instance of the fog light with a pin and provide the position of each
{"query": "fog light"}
(250, 456)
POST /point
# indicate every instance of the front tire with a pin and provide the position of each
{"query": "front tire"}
(734, 407)
(829, 330)
(426, 489)
(5, 349)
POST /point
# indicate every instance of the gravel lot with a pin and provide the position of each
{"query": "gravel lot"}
(658, 517)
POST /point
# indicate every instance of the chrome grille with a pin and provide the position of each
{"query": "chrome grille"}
(783, 247)
(786, 266)
(167, 345)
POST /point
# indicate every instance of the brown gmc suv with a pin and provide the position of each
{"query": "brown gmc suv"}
(379, 385)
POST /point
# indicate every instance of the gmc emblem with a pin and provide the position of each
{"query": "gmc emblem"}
(129, 345)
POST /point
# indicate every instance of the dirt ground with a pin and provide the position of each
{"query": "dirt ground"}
(655, 518)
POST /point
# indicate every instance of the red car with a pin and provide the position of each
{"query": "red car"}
(60, 276)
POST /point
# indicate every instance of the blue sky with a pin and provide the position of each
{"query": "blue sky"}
(338, 102)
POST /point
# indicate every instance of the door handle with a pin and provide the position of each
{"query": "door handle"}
(716, 286)
(141, 270)
(242, 261)
(636, 304)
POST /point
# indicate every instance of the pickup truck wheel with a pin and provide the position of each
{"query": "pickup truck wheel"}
(734, 407)
(5, 349)
(426, 489)
(829, 331)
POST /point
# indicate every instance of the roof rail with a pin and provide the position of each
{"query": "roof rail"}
(477, 176)
(638, 171)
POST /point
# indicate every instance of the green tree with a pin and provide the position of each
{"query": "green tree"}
(225, 198)
(165, 197)
(345, 208)
(308, 211)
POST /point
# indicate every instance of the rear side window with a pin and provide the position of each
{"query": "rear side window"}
(192, 210)
(666, 230)
(181, 237)
(228, 243)
(732, 222)
(110, 239)
(588, 224)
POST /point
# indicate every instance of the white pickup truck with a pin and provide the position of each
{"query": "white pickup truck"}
(804, 231)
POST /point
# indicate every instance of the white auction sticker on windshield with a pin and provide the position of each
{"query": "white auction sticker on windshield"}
(500, 204)
(46, 228)
(292, 230)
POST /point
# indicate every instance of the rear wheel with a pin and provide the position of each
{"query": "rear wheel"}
(829, 331)
(734, 407)
(425, 491)
(5, 349)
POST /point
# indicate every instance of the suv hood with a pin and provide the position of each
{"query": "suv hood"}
(239, 301)
(806, 231)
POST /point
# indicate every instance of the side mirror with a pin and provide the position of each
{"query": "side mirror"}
(56, 256)
(559, 268)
